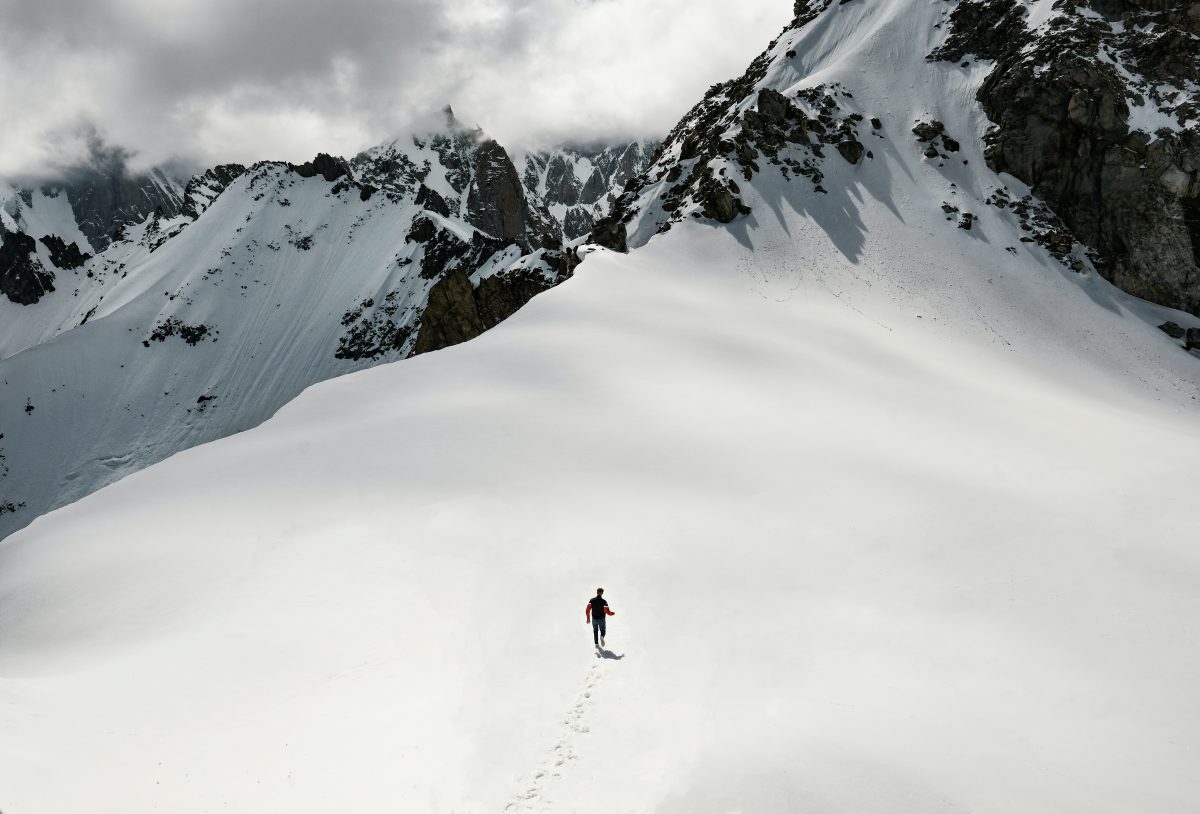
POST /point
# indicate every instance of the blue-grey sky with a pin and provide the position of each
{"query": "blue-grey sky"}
(241, 80)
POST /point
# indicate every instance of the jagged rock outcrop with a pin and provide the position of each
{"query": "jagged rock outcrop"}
(451, 316)
(1097, 112)
(203, 189)
(561, 184)
(578, 183)
(456, 311)
(64, 255)
(328, 167)
(692, 173)
(23, 279)
(497, 204)
(496, 200)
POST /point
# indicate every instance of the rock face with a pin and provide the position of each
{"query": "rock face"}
(64, 255)
(496, 200)
(722, 140)
(579, 183)
(23, 279)
(457, 312)
(326, 166)
(1093, 111)
(203, 189)
(105, 194)
(451, 315)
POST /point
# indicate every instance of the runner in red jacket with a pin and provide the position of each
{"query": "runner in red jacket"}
(595, 612)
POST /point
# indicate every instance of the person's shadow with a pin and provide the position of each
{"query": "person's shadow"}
(601, 653)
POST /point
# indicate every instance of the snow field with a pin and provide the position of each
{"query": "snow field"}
(854, 565)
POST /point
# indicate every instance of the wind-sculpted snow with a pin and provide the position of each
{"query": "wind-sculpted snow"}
(877, 532)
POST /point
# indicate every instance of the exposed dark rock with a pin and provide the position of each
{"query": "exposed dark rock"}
(718, 200)
(1062, 116)
(987, 28)
(1192, 339)
(432, 201)
(203, 189)
(496, 200)
(173, 326)
(610, 232)
(451, 315)
(561, 184)
(851, 150)
(576, 223)
(105, 194)
(62, 255)
(373, 329)
(594, 188)
(421, 231)
(928, 131)
(773, 105)
(876, 124)
(1173, 330)
(950, 145)
(23, 279)
(442, 250)
(328, 167)
(501, 295)
(966, 221)
(456, 313)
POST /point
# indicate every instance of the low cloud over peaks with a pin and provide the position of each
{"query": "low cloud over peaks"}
(225, 80)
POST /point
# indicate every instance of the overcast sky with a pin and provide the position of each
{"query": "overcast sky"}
(242, 80)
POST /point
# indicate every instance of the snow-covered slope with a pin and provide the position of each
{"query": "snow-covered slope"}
(87, 203)
(861, 557)
(200, 325)
(896, 516)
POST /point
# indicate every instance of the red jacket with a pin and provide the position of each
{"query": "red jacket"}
(587, 611)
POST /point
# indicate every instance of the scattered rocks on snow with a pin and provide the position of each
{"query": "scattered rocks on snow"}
(1173, 330)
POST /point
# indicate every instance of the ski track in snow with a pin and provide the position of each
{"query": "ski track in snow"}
(574, 726)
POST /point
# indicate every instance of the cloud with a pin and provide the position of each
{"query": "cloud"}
(242, 80)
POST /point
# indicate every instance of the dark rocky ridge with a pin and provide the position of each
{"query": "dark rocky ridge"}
(496, 202)
(715, 136)
(457, 312)
(203, 189)
(23, 279)
(1062, 126)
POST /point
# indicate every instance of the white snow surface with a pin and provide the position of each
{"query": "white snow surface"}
(893, 520)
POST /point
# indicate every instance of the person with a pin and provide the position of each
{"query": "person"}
(596, 612)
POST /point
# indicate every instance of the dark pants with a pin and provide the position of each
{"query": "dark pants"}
(597, 628)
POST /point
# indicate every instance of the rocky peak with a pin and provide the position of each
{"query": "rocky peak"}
(326, 166)
(203, 189)
(1098, 109)
(496, 201)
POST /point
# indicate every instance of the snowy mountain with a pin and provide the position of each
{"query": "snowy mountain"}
(1088, 117)
(271, 278)
(579, 184)
(889, 485)
(74, 216)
